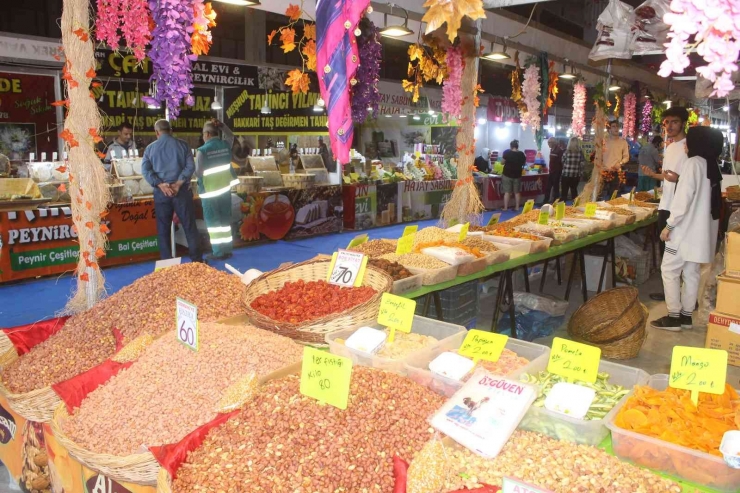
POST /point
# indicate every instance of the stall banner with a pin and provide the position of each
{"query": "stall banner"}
(94, 482)
(13, 435)
(290, 214)
(65, 473)
(43, 242)
(394, 100)
(501, 109)
(289, 113)
(424, 199)
(361, 204)
(27, 118)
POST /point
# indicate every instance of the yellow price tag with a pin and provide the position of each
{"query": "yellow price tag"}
(614, 194)
(543, 218)
(346, 179)
(698, 370)
(576, 201)
(479, 344)
(560, 211)
(590, 209)
(632, 195)
(494, 219)
(573, 360)
(396, 313)
(357, 241)
(405, 244)
(354, 176)
(409, 230)
(528, 206)
(463, 232)
(326, 377)
(347, 268)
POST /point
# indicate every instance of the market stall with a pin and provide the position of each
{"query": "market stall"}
(532, 187)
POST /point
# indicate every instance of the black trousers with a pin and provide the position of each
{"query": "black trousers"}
(662, 222)
(569, 184)
(182, 204)
(553, 184)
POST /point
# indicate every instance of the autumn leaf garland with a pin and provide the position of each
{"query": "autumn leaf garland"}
(297, 79)
(451, 12)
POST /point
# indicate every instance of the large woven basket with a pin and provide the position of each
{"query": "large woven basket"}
(629, 346)
(313, 331)
(136, 468)
(607, 317)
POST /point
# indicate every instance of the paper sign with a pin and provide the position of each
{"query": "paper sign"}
(187, 324)
(614, 194)
(463, 232)
(479, 344)
(698, 370)
(357, 240)
(396, 312)
(560, 211)
(347, 268)
(576, 201)
(528, 206)
(354, 176)
(325, 377)
(573, 360)
(409, 230)
(405, 244)
(543, 218)
(170, 262)
(494, 219)
(632, 195)
(516, 486)
(590, 209)
(346, 179)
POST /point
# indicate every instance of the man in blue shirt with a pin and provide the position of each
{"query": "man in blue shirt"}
(168, 166)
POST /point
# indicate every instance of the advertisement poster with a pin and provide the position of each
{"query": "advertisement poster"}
(424, 199)
(27, 118)
(43, 242)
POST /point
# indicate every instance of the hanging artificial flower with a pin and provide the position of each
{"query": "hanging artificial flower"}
(205, 18)
(131, 17)
(172, 61)
(451, 12)
(298, 79)
(452, 98)
(629, 121)
(552, 87)
(617, 105)
(647, 117)
(578, 125)
(425, 64)
(714, 28)
(530, 93)
(365, 94)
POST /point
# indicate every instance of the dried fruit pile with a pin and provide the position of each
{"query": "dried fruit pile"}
(170, 390)
(146, 306)
(480, 244)
(300, 301)
(507, 363)
(416, 260)
(558, 466)
(418, 247)
(394, 269)
(283, 441)
(403, 344)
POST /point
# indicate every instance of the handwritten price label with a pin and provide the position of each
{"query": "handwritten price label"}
(632, 195)
(573, 360)
(187, 324)
(463, 232)
(410, 230)
(347, 268)
(560, 211)
(325, 377)
(590, 209)
(614, 194)
(483, 345)
(698, 370)
(357, 241)
(396, 313)
(543, 218)
(495, 218)
(528, 206)
(405, 244)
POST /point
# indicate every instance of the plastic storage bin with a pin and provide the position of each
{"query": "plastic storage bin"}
(417, 366)
(407, 285)
(565, 427)
(683, 462)
(534, 246)
(445, 333)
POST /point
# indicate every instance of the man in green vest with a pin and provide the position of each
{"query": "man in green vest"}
(216, 176)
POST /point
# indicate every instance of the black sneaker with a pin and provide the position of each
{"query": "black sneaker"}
(657, 297)
(686, 322)
(667, 323)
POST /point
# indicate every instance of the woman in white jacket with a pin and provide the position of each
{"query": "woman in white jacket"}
(691, 233)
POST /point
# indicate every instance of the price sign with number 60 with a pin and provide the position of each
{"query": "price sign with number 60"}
(187, 324)
(347, 268)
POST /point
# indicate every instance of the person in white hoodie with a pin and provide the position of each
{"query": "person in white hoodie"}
(691, 231)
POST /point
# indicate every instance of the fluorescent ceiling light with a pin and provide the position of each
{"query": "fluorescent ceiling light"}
(482, 121)
(401, 116)
(417, 117)
(215, 105)
(614, 88)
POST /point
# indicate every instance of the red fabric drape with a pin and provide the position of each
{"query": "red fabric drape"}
(24, 337)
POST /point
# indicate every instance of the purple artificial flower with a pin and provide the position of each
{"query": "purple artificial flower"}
(365, 93)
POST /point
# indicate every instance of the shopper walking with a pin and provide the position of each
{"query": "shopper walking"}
(674, 124)
(482, 162)
(123, 143)
(216, 176)
(514, 161)
(168, 166)
(616, 154)
(573, 163)
(649, 158)
(555, 170)
(691, 230)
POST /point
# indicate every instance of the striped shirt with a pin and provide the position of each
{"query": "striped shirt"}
(573, 163)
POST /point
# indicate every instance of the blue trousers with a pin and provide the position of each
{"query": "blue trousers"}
(182, 204)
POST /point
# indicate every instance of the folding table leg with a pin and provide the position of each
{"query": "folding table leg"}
(427, 299)
(603, 268)
(526, 278)
(570, 276)
(438, 305)
(613, 251)
(499, 300)
(584, 288)
(512, 311)
(544, 275)
(557, 270)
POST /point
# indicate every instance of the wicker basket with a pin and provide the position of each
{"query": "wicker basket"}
(136, 468)
(313, 331)
(629, 346)
(607, 317)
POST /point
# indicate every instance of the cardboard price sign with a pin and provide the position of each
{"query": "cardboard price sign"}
(543, 218)
(347, 268)
(494, 219)
(590, 209)
(528, 206)
(326, 377)
(463, 232)
(187, 326)
(698, 370)
(574, 361)
(405, 244)
(483, 345)
(396, 313)
(560, 211)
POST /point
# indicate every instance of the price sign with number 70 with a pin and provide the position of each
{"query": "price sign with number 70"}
(187, 324)
(347, 268)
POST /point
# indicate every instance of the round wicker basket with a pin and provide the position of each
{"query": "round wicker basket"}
(629, 346)
(135, 468)
(607, 317)
(313, 331)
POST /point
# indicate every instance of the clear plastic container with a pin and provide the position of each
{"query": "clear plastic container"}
(431, 277)
(417, 366)
(514, 251)
(469, 268)
(683, 462)
(498, 257)
(446, 335)
(534, 246)
(407, 285)
(567, 428)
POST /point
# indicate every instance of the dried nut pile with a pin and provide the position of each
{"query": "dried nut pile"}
(638, 203)
(146, 306)
(431, 234)
(170, 390)
(482, 245)
(282, 441)
(618, 211)
(521, 219)
(375, 248)
(394, 269)
(403, 344)
(561, 467)
(416, 260)
(506, 364)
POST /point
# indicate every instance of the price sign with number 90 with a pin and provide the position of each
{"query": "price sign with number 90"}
(347, 268)
(187, 324)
